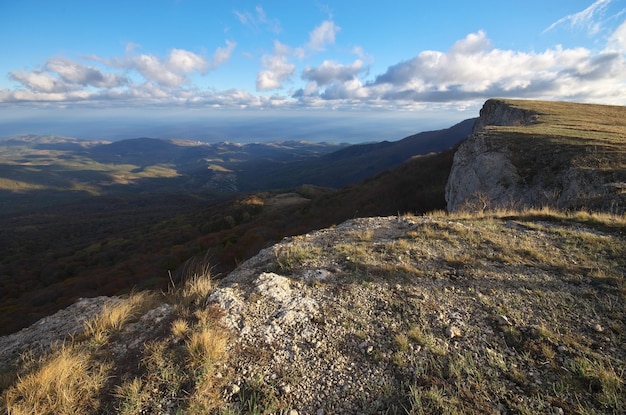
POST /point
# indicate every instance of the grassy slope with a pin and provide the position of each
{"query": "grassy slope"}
(591, 136)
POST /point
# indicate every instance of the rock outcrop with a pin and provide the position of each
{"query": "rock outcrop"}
(396, 315)
(509, 161)
(52, 330)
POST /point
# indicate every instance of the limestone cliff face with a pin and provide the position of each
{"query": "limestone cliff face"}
(490, 172)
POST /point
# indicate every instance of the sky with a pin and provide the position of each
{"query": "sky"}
(338, 70)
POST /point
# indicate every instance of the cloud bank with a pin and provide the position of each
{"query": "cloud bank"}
(471, 69)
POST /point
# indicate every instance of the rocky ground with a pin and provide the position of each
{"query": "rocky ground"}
(396, 315)
(479, 314)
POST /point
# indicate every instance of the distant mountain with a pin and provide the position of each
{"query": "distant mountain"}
(351, 164)
(130, 225)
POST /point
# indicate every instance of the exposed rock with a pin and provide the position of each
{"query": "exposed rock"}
(496, 112)
(366, 319)
(334, 344)
(492, 171)
(54, 329)
(453, 331)
(503, 320)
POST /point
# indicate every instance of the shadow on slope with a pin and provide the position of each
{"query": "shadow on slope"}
(107, 246)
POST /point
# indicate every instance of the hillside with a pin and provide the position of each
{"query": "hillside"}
(132, 229)
(474, 313)
(479, 310)
(351, 164)
(109, 245)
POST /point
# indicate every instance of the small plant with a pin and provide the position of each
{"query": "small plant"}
(402, 341)
(206, 346)
(180, 328)
(294, 256)
(513, 337)
(198, 283)
(132, 395)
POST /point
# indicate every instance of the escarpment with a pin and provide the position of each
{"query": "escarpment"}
(525, 154)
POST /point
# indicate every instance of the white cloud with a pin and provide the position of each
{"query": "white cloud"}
(40, 82)
(330, 71)
(617, 41)
(257, 20)
(222, 55)
(472, 68)
(278, 70)
(351, 89)
(78, 73)
(184, 61)
(170, 71)
(585, 19)
(323, 35)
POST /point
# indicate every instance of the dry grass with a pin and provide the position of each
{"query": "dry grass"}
(114, 317)
(179, 364)
(65, 382)
(293, 256)
(180, 328)
(197, 284)
(206, 346)
(186, 368)
(527, 266)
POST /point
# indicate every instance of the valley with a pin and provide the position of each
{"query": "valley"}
(86, 218)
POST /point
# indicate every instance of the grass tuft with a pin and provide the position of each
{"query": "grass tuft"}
(66, 382)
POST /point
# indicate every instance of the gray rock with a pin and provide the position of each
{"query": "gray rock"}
(50, 330)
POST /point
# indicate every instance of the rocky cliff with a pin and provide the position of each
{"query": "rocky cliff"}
(530, 154)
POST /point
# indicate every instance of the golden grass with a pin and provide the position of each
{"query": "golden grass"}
(132, 395)
(197, 285)
(206, 346)
(180, 362)
(293, 256)
(66, 382)
(114, 317)
(180, 328)
(604, 123)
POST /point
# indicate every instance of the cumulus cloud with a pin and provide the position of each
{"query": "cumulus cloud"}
(161, 78)
(470, 70)
(40, 81)
(330, 71)
(585, 19)
(78, 73)
(277, 67)
(278, 70)
(170, 71)
(473, 68)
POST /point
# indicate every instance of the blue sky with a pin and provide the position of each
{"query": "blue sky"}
(410, 64)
